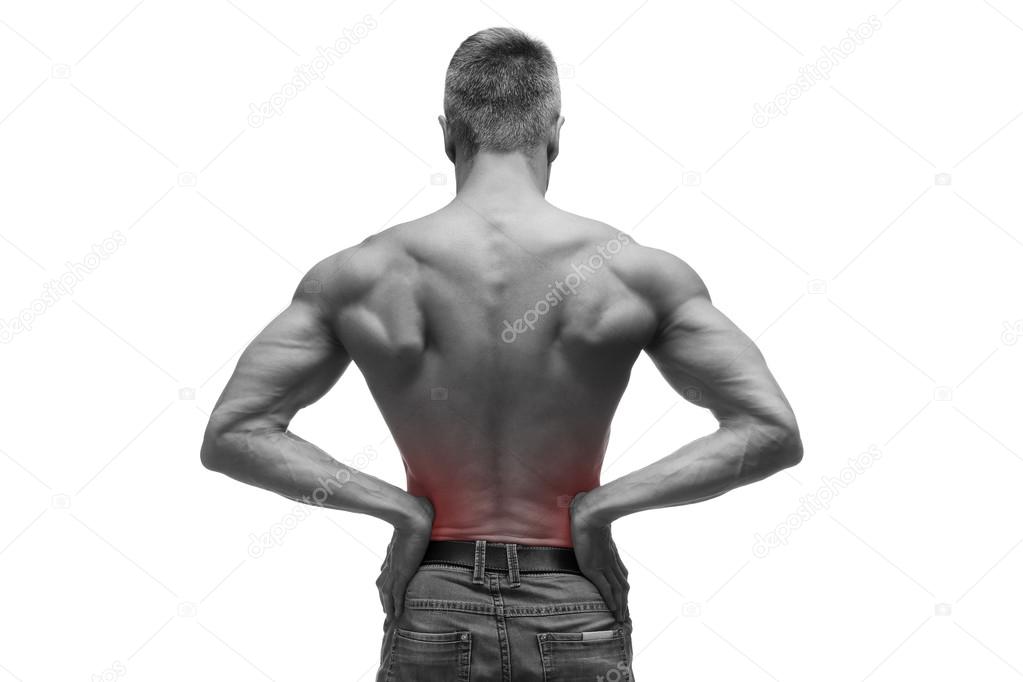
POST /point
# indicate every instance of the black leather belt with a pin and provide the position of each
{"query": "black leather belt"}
(532, 558)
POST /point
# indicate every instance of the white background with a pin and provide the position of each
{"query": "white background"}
(886, 300)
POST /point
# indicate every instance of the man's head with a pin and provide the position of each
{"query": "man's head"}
(501, 94)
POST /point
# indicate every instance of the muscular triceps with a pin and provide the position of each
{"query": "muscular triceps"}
(292, 363)
(289, 365)
(712, 363)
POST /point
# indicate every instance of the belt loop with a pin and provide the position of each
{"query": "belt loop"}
(480, 562)
(512, 552)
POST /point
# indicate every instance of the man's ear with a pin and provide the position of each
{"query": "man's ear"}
(554, 144)
(449, 145)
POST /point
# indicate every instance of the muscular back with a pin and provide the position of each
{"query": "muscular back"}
(497, 341)
(497, 348)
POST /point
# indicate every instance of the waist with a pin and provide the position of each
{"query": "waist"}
(495, 556)
(558, 535)
(538, 518)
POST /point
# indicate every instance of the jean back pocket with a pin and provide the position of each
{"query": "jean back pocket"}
(430, 657)
(584, 656)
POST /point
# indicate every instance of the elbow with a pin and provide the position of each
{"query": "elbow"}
(770, 447)
(218, 452)
(791, 452)
(212, 454)
(784, 446)
(236, 448)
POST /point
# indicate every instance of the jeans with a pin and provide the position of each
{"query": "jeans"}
(505, 627)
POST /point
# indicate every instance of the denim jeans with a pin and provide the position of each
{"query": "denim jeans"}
(529, 627)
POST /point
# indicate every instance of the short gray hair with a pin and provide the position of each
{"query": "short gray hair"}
(501, 92)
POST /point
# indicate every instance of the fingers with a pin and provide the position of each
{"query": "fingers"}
(387, 601)
(385, 587)
(398, 599)
(398, 594)
(621, 564)
(398, 588)
(620, 579)
(622, 574)
(620, 588)
(606, 591)
(616, 585)
(619, 569)
(389, 552)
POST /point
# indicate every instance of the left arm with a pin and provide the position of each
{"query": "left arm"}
(292, 363)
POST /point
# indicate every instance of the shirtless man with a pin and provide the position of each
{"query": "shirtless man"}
(497, 336)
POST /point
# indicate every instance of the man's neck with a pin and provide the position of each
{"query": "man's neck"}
(502, 178)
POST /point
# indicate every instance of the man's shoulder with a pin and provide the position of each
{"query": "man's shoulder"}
(657, 276)
(350, 273)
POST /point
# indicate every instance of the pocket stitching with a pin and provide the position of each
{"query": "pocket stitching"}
(463, 649)
(434, 637)
(546, 642)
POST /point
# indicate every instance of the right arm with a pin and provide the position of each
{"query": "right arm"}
(709, 361)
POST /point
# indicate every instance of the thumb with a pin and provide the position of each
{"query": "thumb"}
(399, 608)
(398, 599)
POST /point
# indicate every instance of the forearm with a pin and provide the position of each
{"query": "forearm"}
(730, 457)
(281, 462)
